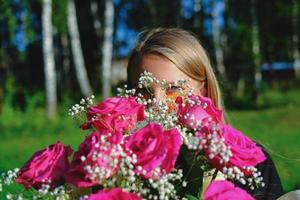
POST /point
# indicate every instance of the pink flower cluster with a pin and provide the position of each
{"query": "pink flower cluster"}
(116, 193)
(225, 190)
(115, 114)
(46, 166)
(155, 148)
(92, 153)
(218, 140)
(197, 111)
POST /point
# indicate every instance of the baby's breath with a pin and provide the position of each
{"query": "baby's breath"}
(82, 106)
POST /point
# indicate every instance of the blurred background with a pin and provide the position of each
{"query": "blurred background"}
(54, 52)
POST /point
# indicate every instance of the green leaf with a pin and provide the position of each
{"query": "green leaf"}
(191, 197)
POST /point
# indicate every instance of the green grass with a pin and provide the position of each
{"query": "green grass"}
(278, 130)
(22, 134)
(277, 127)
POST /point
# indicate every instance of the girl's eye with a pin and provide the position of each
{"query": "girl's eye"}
(173, 89)
(173, 92)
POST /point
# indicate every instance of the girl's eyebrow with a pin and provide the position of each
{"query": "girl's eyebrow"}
(173, 83)
(170, 84)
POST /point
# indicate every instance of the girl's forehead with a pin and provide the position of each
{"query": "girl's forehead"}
(162, 68)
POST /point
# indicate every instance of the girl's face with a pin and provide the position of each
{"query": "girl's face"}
(163, 69)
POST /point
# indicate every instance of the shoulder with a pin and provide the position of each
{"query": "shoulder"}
(273, 188)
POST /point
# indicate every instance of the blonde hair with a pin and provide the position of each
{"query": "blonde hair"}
(184, 50)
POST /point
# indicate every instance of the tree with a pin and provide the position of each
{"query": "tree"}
(77, 51)
(49, 64)
(153, 13)
(256, 51)
(217, 40)
(62, 46)
(107, 47)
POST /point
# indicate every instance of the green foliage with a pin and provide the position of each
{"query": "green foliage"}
(191, 197)
(282, 98)
(8, 17)
(30, 33)
(30, 119)
(25, 132)
(59, 19)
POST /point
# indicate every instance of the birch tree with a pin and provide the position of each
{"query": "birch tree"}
(49, 63)
(79, 64)
(217, 39)
(107, 47)
(255, 50)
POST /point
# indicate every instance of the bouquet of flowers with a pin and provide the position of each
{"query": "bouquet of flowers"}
(143, 148)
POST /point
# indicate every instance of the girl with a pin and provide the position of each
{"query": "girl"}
(171, 54)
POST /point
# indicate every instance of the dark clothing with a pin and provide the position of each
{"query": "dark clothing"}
(271, 190)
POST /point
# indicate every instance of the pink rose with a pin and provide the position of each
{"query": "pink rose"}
(95, 153)
(199, 113)
(115, 114)
(225, 190)
(48, 164)
(114, 194)
(245, 152)
(154, 147)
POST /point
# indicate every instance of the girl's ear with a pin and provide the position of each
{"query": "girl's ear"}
(203, 89)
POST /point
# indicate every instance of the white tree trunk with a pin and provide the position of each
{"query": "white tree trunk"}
(81, 73)
(107, 48)
(256, 47)
(217, 39)
(49, 63)
(296, 53)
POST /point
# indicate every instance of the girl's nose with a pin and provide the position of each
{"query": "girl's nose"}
(159, 94)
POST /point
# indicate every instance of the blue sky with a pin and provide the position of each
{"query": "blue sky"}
(128, 36)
